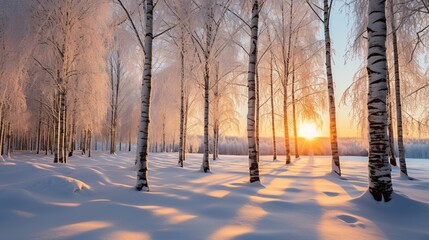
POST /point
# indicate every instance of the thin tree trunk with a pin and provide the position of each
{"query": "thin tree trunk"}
(402, 162)
(83, 143)
(1, 131)
(89, 142)
(182, 96)
(66, 132)
(295, 132)
(73, 130)
(286, 60)
(142, 145)
(251, 134)
(216, 114)
(52, 136)
(61, 149)
(47, 139)
(163, 149)
(380, 183)
(8, 141)
(39, 125)
(392, 157)
(257, 121)
(129, 141)
(57, 130)
(185, 127)
(205, 167)
(331, 96)
(273, 128)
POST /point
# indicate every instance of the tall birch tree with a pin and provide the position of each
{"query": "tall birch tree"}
(402, 163)
(142, 142)
(327, 6)
(380, 183)
(251, 134)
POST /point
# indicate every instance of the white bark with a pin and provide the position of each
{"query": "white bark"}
(182, 98)
(142, 144)
(273, 129)
(332, 113)
(380, 184)
(251, 134)
(402, 163)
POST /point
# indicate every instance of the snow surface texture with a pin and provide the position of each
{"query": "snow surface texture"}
(94, 198)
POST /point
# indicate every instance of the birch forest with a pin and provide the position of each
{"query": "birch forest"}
(260, 100)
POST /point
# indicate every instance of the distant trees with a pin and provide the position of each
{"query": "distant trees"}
(72, 48)
(13, 77)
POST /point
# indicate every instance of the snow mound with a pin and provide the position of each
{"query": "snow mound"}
(57, 185)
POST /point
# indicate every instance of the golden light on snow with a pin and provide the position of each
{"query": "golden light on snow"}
(71, 230)
(308, 131)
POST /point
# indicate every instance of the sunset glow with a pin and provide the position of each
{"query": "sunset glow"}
(308, 131)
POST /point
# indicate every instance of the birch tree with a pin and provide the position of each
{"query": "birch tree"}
(205, 40)
(402, 163)
(142, 143)
(380, 183)
(251, 134)
(327, 6)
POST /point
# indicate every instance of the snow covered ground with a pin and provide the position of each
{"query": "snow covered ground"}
(94, 198)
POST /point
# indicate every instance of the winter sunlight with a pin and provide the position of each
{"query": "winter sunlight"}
(308, 131)
(214, 119)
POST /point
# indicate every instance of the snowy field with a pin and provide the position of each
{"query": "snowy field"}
(94, 198)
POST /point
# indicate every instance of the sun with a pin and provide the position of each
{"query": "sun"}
(308, 131)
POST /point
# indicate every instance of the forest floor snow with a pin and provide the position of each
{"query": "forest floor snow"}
(94, 198)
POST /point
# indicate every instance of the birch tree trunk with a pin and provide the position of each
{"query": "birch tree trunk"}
(185, 127)
(205, 167)
(402, 162)
(295, 132)
(61, 144)
(163, 149)
(47, 139)
(1, 131)
(273, 128)
(65, 126)
(142, 144)
(112, 112)
(89, 142)
(8, 141)
(129, 141)
(380, 183)
(83, 142)
(257, 121)
(216, 114)
(182, 97)
(332, 113)
(390, 136)
(57, 129)
(286, 60)
(251, 134)
(39, 125)
(73, 130)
